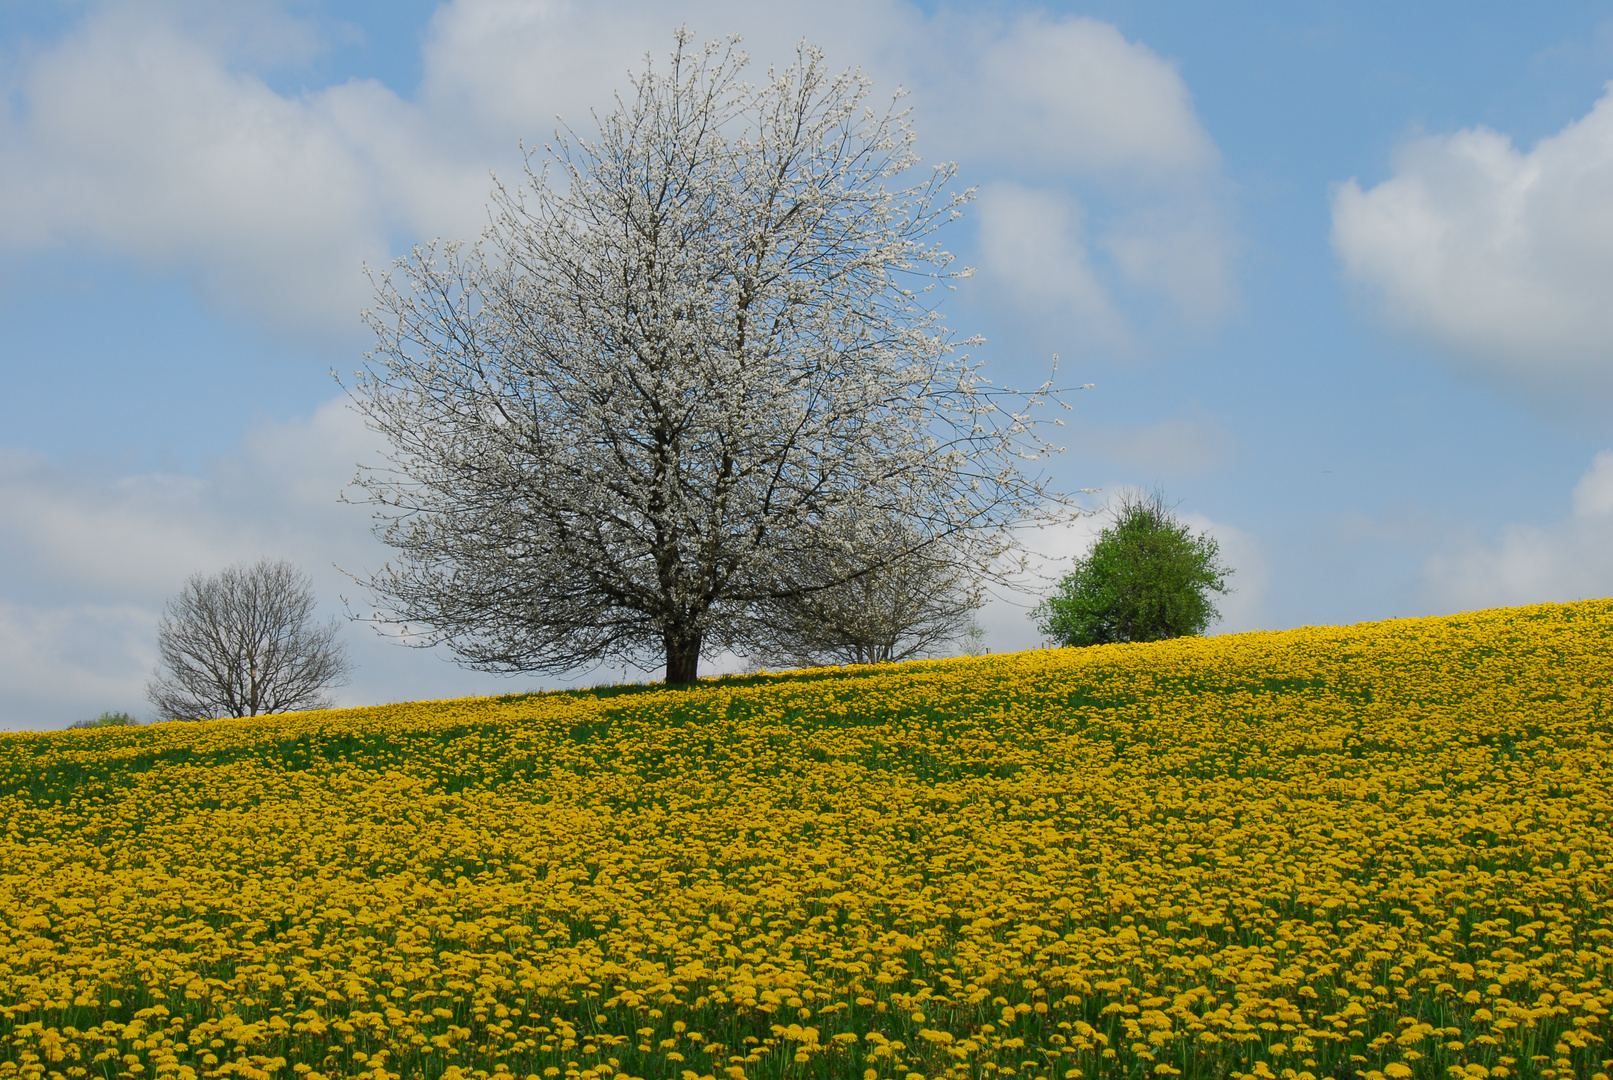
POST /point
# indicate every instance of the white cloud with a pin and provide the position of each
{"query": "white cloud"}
(68, 662)
(1073, 104)
(1073, 95)
(512, 66)
(1593, 495)
(1244, 608)
(138, 139)
(1569, 559)
(87, 562)
(150, 132)
(1034, 252)
(136, 538)
(1180, 249)
(1502, 257)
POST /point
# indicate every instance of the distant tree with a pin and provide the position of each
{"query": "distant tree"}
(106, 719)
(1147, 578)
(242, 643)
(912, 604)
(629, 422)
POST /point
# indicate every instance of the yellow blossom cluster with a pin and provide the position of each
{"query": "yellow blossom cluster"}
(1362, 852)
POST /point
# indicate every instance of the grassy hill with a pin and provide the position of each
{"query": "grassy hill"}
(1377, 850)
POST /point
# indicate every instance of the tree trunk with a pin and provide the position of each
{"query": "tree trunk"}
(682, 658)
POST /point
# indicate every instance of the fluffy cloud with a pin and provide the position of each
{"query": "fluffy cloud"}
(1570, 559)
(1244, 608)
(1074, 105)
(1034, 249)
(1073, 95)
(65, 532)
(138, 140)
(1037, 253)
(87, 562)
(1502, 257)
(70, 662)
(152, 132)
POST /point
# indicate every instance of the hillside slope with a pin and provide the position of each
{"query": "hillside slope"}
(1378, 850)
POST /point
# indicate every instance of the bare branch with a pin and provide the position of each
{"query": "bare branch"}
(244, 643)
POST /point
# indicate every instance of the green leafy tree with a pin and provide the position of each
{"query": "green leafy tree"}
(1147, 578)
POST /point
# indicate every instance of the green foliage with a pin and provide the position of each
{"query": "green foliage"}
(1147, 578)
(106, 719)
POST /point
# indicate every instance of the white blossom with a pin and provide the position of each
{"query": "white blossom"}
(690, 371)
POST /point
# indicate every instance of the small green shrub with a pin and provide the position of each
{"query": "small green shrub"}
(106, 719)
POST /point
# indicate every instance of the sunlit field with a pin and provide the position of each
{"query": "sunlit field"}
(1380, 850)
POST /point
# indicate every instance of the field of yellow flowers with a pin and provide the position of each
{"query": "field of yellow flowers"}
(1371, 851)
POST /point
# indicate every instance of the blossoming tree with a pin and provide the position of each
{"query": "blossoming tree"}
(693, 369)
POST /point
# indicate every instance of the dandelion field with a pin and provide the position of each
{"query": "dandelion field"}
(1372, 851)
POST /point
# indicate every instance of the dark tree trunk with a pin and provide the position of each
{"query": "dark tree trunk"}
(682, 658)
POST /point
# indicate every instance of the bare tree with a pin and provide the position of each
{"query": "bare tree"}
(913, 605)
(244, 642)
(630, 419)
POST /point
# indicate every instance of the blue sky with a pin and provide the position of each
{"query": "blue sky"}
(1339, 273)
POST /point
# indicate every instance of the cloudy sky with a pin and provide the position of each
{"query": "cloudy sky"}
(1342, 275)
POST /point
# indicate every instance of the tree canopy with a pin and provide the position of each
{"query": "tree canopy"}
(1147, 578)
(692, 371)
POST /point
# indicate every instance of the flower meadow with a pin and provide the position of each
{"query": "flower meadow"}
(1369, 851)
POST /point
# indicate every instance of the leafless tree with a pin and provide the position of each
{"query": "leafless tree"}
(913, 605)
(244, 642)
(632, 418)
